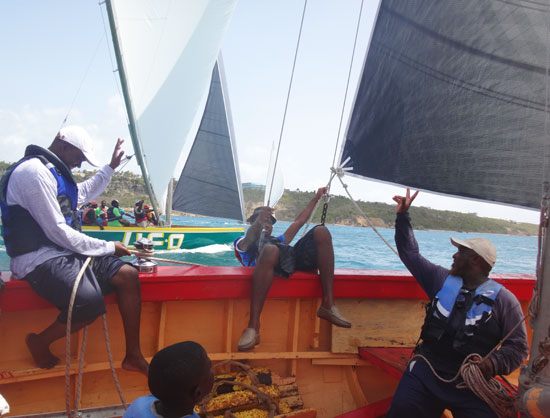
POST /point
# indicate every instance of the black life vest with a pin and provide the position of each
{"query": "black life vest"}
(21, 232)
(460, 322)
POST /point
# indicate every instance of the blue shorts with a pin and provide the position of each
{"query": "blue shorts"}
(54, 280)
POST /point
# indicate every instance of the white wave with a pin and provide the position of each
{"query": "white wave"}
(209, 249)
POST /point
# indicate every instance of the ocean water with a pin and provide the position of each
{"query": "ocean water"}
(361, 248)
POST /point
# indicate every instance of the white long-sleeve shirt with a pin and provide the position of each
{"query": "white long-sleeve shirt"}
(34, 187)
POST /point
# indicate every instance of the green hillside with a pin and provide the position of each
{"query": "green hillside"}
(126, 187)
(342, 211)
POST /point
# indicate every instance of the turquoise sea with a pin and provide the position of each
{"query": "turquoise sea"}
(361, 248)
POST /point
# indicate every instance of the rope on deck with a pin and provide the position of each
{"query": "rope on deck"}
(71, 413)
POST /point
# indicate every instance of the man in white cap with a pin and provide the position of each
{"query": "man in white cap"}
(468, 313)
(39, 199)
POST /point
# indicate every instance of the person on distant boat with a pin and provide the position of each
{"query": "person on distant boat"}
(140, 215)
(38, 199)
(273, 255)
(89, 215)
(103, 218)
(102, 209)
(468, 313)
(151, 215)
(180, 375)
(114, 215)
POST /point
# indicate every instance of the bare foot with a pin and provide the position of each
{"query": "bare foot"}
(136, 364)
(41, 353)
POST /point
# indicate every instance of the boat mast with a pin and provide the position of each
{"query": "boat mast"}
(130, 110)
(534, 379)
(169, 195)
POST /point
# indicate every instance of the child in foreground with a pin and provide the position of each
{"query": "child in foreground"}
(180, 375)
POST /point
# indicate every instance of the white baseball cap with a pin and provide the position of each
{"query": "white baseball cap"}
(78, 137)
(482, 247)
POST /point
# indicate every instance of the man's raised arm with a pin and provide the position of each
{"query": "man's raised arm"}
(253, 233)
(303, 216)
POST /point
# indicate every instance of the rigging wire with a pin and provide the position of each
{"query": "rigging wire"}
(348, 81)
(81, 84)
(333, 171)
(287, 100)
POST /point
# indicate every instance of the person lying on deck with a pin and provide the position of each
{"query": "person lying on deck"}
(468, 313)
(180, 375)
(39, 198)
(274, 255)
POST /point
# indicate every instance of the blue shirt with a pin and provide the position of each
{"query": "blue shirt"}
(247, 256)
(144, 407)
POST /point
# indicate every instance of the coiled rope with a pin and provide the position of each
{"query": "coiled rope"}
(501, 398)
(74, 413)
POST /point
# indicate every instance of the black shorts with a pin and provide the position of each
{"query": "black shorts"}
(305, 252)
(54, 280)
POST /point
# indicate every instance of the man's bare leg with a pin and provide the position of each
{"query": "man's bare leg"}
(126, 283)
(39, 344)
(262, 278)
(325, 263)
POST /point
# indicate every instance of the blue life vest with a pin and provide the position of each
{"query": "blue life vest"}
(463, 318)
(21, 232)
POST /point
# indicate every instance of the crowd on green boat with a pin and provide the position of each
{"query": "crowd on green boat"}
(102, 215)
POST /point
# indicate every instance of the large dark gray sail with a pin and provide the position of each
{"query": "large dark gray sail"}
(452, 99)
(209, 184)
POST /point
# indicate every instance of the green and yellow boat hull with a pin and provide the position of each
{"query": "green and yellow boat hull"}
(167, 238)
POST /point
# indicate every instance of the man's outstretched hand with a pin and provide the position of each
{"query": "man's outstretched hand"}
(118, 153)
(121, 250)
(404, 202)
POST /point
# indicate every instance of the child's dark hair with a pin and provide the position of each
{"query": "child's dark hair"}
(176, 370)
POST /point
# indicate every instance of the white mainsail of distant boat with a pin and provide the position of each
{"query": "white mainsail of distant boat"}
(165, 52)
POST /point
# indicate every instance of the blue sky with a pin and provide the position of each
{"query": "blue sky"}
(55, 52)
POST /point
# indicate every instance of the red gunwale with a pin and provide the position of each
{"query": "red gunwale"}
(196, 283)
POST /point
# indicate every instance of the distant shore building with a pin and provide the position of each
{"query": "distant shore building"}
(254, 186)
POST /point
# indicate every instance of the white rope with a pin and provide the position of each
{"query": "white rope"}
(287, 100)
(74, 413)
(80, 370)
(348, 81)
(499, 398)
(68, 340)
(111, 363)
(340, 173)
(146, 255)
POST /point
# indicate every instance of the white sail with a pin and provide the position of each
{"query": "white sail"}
(168, 50)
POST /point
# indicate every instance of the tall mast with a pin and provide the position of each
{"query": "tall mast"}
(534, 379)
(130, 110)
